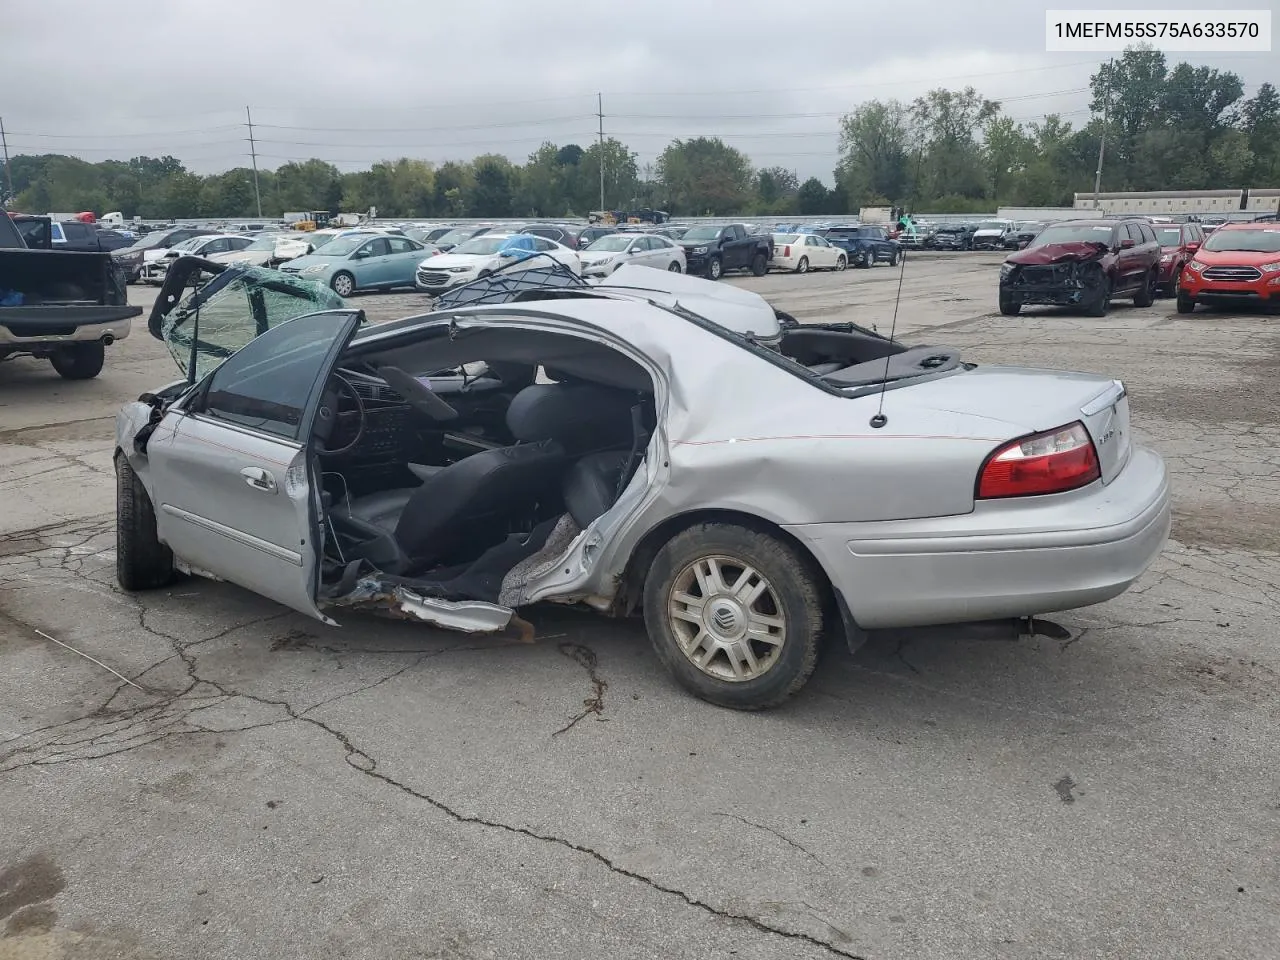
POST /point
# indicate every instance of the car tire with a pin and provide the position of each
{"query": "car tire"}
(759, 265)
(1102, 299)
(787, 605)
(1185, 303)
(715, 268)
(842, 263)
(674, 267)
(862, 260)
(896, 258)
(343, 283)
(803, 265)
(1009, 307)
(79, 361)
(142, 561)
(1146, 296)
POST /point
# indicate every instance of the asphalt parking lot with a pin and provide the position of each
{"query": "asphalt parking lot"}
(264, 786)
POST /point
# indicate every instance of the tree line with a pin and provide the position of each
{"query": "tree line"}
(1179, 128)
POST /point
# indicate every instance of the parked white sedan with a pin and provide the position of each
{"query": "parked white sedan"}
(643, 249)
(802, 252)
(486, 254)
(154, 271)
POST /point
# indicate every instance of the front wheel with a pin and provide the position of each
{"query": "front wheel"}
(1185, 303)
(735, 615)
(674, 267)
(842, 262)
(803, 265)
(142, 561)
(715, 269)
(896, 258)
(1146, 296)
(343, 284)
(1101, 301)
(1009, 307)
(80, 361)
(759, 265)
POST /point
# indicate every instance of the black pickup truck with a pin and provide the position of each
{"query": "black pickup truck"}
(710, 250)
(60, 305)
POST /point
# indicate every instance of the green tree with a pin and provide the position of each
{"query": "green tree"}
(495, 183)
(704, 176)
(1007, 152)
(309, 185)
(947, 122)
(812, 198)
(875, 146)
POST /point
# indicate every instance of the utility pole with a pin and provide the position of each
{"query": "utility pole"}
(253, 153)
(8, 177)
(1102, 140)
(600, 116)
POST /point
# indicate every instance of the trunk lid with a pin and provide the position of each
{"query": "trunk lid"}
(1030, 401)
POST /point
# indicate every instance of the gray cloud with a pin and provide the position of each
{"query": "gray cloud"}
(357, 82)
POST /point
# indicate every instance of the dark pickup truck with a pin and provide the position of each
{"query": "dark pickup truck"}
(42, 233)
(60, 305)
(710, 250)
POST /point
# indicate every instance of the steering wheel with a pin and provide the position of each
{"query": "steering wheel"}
(327, 417)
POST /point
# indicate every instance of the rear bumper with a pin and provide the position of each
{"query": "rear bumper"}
(1005, 559)
(22, 328)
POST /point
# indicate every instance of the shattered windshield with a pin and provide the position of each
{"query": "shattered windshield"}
(232, 309)
(1096, 233)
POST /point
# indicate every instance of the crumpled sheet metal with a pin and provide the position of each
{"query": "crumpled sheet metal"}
(468, 616)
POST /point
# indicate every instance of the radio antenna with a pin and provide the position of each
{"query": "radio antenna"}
(879, 420)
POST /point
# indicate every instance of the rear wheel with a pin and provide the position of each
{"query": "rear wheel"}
(735, 615)
(142, 561)
(1185, 303)
(1146, 296)
(803, 265)
(759, 265)
(79, 361)
(715, 269)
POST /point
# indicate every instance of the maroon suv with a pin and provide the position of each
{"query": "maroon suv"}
(1085, 264)
(1178, 243)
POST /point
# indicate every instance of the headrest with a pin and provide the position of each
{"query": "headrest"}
(578, 415)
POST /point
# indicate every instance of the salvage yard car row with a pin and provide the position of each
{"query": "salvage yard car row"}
(1086, 264)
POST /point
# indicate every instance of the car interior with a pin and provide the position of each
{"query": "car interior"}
(447, 462)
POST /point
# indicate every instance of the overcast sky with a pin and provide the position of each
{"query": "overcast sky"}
(356, 81)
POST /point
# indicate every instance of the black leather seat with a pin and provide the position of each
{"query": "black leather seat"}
(591, 485)
(469, 504)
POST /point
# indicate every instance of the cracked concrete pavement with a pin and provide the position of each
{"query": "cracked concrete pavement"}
(276, 788)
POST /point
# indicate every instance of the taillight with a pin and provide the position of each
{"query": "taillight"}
(786, 252)
(1050, 462)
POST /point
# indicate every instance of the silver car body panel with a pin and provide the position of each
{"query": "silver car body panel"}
(890, 514)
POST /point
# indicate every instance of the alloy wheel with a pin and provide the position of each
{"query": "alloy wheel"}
(726, 618)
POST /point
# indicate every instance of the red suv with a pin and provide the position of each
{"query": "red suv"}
(1085, 264)
(1178, 242)
(1239, 264)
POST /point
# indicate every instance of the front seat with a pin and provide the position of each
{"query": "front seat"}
(476, 498)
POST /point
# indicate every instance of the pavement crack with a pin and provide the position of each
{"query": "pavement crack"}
(586, 658)
(770, 830)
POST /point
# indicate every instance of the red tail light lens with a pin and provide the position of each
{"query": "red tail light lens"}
(1050, 462)
(786, 252)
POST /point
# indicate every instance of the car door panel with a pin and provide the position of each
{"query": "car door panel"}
(235, 500)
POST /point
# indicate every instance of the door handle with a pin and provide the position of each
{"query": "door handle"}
(259, 479)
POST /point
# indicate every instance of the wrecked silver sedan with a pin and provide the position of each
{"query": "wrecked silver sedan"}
(655, 443)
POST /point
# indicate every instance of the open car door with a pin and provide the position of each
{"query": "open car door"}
(230, 461)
